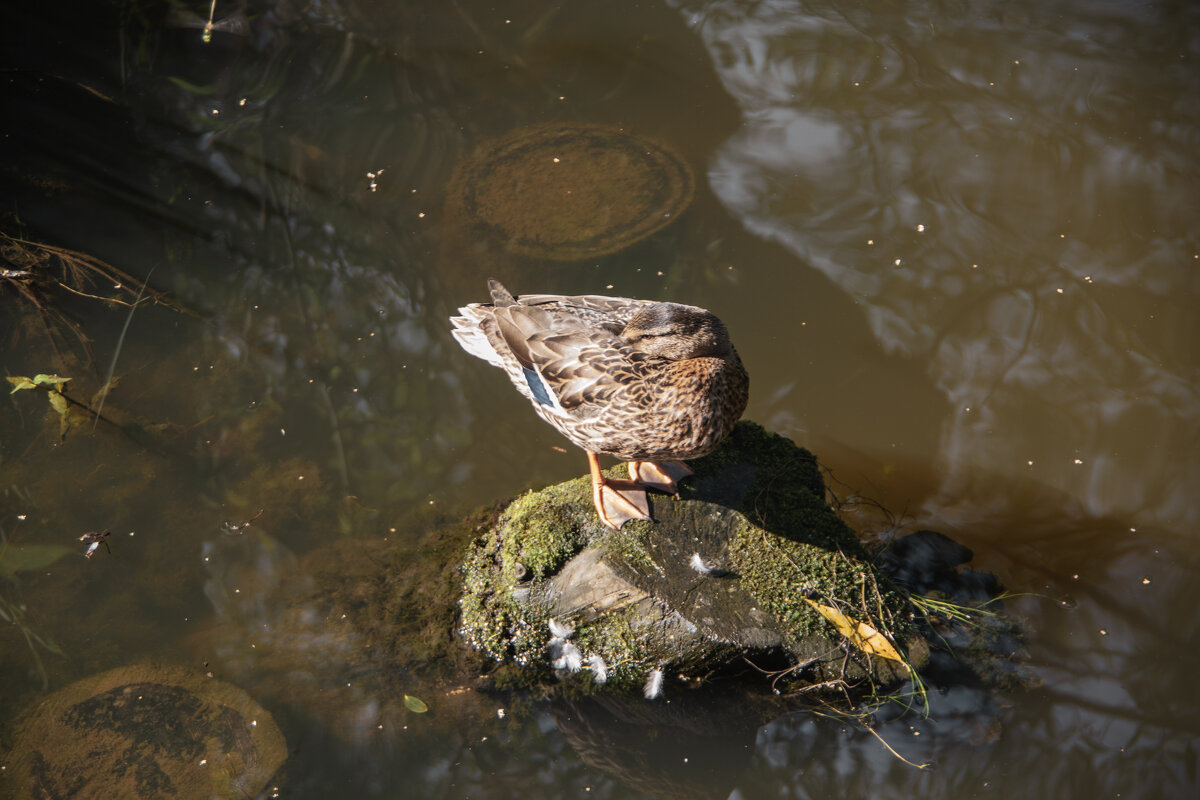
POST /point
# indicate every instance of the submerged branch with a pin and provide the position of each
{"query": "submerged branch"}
(78, 272)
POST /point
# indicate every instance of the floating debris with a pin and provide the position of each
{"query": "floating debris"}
(95, 540)
(240, 527)
(415, 704)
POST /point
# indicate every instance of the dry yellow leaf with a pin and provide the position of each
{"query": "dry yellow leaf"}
(864, 637)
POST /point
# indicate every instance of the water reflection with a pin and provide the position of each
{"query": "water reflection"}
(996, 210)
(1097, 720)
(292, 651)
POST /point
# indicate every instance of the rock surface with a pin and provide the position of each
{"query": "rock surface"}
(147, 731)
(749, 563)
(569, 191)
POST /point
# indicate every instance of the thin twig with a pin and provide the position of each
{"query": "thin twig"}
(112, 366)
(891, 750)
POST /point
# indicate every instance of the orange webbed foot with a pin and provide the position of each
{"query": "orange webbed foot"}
(617, 501)
(662, 476)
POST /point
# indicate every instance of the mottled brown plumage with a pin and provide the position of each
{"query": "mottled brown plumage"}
(636, 379)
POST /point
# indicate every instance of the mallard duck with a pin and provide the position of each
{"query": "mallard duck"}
(653, 384)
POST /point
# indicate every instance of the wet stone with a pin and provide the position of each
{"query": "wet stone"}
(147, 731)
(569, 191)
(728, 571)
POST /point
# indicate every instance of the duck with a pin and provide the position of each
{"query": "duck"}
(653, 384)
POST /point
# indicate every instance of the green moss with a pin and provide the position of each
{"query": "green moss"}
(615, 641)
(781, 573)
(787, 496)
(508, 567)
(630, 546)
(798, 547)
(546, 528)
(533, 538)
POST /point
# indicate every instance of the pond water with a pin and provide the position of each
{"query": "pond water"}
(957, 246)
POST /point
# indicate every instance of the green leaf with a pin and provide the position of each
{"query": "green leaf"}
(59, 404)
(20, 383)
(192, 88)
(51, 380)
(27, 557)
(415, 704)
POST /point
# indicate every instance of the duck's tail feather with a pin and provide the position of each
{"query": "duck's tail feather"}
(500, 295)
(468, 330)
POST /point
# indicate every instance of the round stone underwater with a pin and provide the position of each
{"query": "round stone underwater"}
(147, 731)
(570, 191)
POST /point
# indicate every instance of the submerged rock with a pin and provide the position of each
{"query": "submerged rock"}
(147, 731)
(568, 191)
(749, 563)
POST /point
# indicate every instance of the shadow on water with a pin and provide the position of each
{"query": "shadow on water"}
(956, 246)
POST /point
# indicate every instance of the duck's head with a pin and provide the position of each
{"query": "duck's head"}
(676, 332)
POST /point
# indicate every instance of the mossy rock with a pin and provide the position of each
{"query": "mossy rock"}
(569, 191)
(754, 515)
(147, 731)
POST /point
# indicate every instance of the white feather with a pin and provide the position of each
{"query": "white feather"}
(472, 338)
(564, 655)
(654, 683)
(599, 668)
(700, 565)
(560, 630)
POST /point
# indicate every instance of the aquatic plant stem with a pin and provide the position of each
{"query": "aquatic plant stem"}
(112, 366)
(891, 749)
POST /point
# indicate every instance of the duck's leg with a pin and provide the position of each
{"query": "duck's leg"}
(660, 475)
(616, 500)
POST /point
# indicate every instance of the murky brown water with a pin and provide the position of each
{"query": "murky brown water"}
(957, 245)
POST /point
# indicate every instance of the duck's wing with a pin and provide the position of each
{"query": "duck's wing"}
(588, 309)
(590, 374)
(567, 366)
